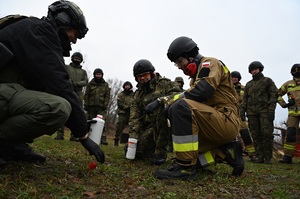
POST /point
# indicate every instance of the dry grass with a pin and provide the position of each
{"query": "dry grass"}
(66, 175)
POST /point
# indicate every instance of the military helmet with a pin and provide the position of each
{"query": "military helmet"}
(77, 54)
(182, 47)
(236, 74)
(98, 70)
(295, 70)
(68, 14)
(179, 79)
(254, 65)
(127, 83)
(142, 66)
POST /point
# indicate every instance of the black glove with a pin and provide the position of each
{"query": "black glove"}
(89, 122)
(291, 103)
(93, 149)
(271, 116)
(152, 106)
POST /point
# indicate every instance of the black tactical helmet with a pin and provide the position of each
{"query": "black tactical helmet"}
(254, 65)
(295, 70)
(179, 79)
(127, 83)
(68, 14)
(182, 47)
(236, 74)
(77, 54)
(142, 66)
(98, 70)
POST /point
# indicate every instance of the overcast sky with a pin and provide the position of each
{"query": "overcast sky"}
(234, 31)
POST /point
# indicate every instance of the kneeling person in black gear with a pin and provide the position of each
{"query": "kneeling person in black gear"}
(36, 96)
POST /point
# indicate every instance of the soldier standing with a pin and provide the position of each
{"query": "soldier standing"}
(291, 88)
(79, 79)
(259, 103)
(244, 136)
(180, 82)
(150, 129)
(96, 99)
(204, 118)
(124, 101)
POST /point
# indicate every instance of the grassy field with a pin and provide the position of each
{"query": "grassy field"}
(66, 175)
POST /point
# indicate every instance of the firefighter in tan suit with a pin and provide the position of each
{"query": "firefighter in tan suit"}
(204, 119)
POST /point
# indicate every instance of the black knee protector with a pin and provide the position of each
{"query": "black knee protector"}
(245, 134)
(291, 134)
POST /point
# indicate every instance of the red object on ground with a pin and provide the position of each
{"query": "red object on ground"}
(92, 165)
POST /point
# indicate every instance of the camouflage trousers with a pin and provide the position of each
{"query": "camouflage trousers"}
(122, 123)
(262, 134)
(27, 114)
(150, 143)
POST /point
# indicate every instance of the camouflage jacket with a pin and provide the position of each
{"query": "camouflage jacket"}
(292, 89)
(77, 76)
(158, 87)
(97, 94)
(260, 95)
(124, 101)
(240, 89)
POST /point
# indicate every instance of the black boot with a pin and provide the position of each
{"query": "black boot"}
(116, 144)
(235, 157)
(159, 159)
(286, 160)
(73, 138)
(177, 171)
(59, 136)
(21, 152)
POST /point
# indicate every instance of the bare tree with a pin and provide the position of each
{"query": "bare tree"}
(115, 86)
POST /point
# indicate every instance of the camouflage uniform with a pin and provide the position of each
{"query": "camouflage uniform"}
(244, 134)
(259, 103)
(291, 88)
(124, 101)
(150, 130)
(96, 99)
(79, 79)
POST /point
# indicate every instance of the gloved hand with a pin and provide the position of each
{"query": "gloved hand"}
(151, 107)
(93, 149)
(291, 102)
(271, 116)
(89, 122)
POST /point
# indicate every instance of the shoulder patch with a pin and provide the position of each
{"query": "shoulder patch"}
(206, 64)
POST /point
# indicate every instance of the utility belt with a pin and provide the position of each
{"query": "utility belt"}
(5, 56)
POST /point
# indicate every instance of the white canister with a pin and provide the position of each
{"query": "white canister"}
(96, 129)
(131, 149)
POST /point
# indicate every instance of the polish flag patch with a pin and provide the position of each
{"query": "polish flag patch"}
(206, 64)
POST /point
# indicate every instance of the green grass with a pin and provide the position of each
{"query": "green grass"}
(66, 175)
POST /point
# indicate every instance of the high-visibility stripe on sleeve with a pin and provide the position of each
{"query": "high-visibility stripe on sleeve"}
(289, 147)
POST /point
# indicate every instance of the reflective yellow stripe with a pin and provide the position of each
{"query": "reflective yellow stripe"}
(176, 97)
(185, 147)
(226, 69)
(251, 149)
(289, 147)
(279, 98)
(206, 159)
(294, 113)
